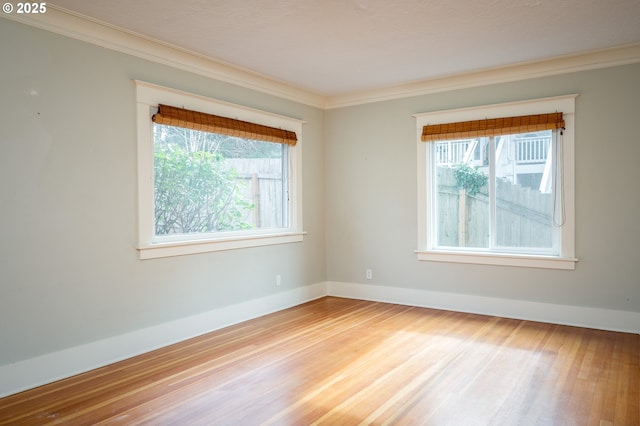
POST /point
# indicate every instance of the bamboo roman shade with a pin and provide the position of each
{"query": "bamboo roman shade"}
(492, 127)
(179, 117)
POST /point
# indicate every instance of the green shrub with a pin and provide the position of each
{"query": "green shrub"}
(469, 178)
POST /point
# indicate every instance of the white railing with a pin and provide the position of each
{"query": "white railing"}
(528, 150)
(453, 152)
(532, 150)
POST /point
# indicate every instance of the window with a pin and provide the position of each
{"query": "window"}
(496, 184)
(214, 176)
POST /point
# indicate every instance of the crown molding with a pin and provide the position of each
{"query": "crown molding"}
(70, 24)
(64, 22)
(622, 55)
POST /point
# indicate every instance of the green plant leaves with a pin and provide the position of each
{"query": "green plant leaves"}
(469, 178)
(195, 192)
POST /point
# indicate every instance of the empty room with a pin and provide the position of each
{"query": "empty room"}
(340, 212)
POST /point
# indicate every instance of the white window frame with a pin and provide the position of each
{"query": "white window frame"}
(426, 229)
(148, 97)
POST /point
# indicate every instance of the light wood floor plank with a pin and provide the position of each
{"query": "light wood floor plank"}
(349, 362)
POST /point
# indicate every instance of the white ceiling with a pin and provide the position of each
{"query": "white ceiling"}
(336, 47)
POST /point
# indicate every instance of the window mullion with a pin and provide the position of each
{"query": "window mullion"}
(492, 193)
(557, 189)
(431, 199)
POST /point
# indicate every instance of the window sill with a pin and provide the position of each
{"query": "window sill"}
(180, 248)
(525, 261)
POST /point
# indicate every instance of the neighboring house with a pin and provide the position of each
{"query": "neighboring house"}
(523, 159)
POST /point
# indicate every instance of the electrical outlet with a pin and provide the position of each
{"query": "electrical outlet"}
(369, 274)
(278, 280)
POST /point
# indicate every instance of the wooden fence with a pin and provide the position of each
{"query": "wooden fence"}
(263, 187)
(523, 216)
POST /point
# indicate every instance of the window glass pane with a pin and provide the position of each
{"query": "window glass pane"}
(521, 167)
(524, 186)
(206, 182)
(462, 199)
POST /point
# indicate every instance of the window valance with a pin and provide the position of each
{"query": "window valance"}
(492, 127)
(180, 117)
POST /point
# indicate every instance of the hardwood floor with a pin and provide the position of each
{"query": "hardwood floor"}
(346, 362)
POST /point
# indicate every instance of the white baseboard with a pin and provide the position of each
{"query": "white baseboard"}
(603, 319)
(54, 366)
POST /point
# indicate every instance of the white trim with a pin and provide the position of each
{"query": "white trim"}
(580, 316)
(427, 252)
(547, 262)
(180, 248)
(54, 366)
(61, 21)
(149, 96)
(564, 103)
